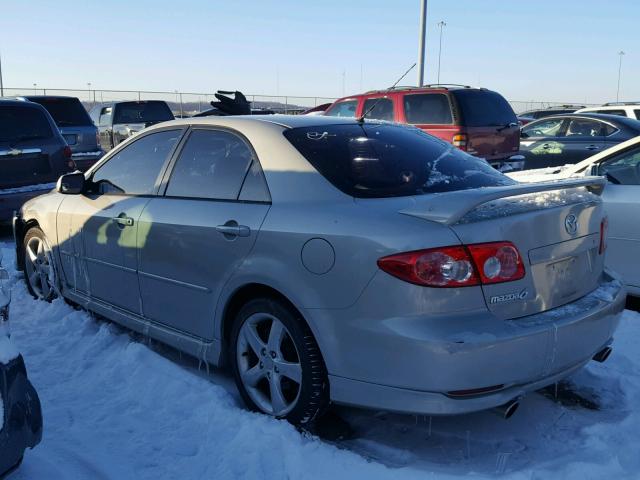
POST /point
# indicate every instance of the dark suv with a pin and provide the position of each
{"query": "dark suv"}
(118, 121)
(33, 154)
(76, 127)
(479, 121)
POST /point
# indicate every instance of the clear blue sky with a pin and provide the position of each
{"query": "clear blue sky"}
(560, 50)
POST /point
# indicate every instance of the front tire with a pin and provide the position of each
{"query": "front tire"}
(277, 364)
(39, 270)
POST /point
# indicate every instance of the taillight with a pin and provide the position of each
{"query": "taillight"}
(67, 152)
(460, 141)
(604, 227)
(457, 266)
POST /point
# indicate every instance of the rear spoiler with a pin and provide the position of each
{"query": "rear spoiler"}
(449, 207)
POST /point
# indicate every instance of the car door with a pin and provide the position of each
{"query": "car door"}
(583, 137)
(622, 203)
(99, 228)
(192, 239)
(541, 143)
(105, 128)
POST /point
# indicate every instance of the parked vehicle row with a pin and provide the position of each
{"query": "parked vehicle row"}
(307, 251)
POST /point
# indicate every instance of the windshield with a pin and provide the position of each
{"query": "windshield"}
(66, 112)
(484, 108)
(382, 160)
(142, 112)
(23, 123)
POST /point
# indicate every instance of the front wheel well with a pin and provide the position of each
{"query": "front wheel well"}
(21, 230)
(239, 298)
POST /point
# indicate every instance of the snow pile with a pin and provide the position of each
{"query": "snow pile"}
(28, 188)
(119, 408)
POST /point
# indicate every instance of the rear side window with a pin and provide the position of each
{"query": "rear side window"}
(620, 113)
(384, 160)
(581, 127)
(142, 112)
(637, 114)
(484, 108)
(213, 164)
(134, 170)
(428, 108)
(23, 123)
(66, 112)
(379, 109)
(343, 109)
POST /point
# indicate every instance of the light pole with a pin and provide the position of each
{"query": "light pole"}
(1, 84)
(421, 39)
(34, 88)
(621, 54)
(441, 24)
(89, 88)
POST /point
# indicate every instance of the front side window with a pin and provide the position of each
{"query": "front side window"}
(377, 160)
(623, 169)
(379, 109)
(135, 169)
(433, 108)
(343, 109)
(580, 127)
(213, 164)
(637, 113)
(551, 127)
(19, 123)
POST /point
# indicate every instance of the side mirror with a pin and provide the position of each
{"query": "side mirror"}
(71, 183)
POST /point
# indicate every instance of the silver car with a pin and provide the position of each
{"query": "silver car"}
(332, 260)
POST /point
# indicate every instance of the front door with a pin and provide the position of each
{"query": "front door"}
(541, 143)
(622, 203)
(100, 227)
(198, 234)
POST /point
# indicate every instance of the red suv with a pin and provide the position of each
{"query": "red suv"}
(476, 120)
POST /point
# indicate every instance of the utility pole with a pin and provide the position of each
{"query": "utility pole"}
(1, 84)
(621, 54)
(421, 40)
(441, 24)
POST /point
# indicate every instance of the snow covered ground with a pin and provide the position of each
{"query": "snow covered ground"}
(117, 407)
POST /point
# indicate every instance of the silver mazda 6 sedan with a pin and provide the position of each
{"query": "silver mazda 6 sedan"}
(333, 260)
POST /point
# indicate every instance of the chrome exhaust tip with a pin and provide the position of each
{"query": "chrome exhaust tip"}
(507, 410)
(603, 354)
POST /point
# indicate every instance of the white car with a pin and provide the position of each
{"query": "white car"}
(624, 109)
(621, 166)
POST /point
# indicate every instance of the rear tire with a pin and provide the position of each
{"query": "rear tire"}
(276, 363)
(39, 270)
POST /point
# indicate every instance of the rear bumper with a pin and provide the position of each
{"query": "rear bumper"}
(516, 357)
(12, 199)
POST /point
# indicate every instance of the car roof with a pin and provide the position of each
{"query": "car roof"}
(19, 103)
(597, 116)
(286, 121)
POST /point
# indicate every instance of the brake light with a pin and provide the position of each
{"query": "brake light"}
(67, 152)
(604, 227)
(460, 141)
(457, 266)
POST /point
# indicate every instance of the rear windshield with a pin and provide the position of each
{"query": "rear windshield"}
(383, 160)
(484, 108)
(23, 123)
(142, 112)
(66, 112)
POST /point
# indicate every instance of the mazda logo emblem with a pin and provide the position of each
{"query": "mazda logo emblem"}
(571, 224)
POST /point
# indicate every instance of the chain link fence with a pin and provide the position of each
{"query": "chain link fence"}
(189, 103)
(182, 103)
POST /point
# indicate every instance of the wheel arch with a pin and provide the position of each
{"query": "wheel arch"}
(21, 229)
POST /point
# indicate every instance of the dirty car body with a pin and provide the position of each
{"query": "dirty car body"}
(431, 283)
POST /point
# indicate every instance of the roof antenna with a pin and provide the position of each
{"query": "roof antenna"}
(360, 119)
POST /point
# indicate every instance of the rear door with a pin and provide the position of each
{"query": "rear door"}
(430, 111)
(622, 203)
(193, 238)
(583, 137)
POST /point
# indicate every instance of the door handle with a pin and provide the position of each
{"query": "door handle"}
(123, 221)
(592, 147)
(231, 229)
(546, 146)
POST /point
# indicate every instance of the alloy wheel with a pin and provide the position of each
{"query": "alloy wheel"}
(269, 364)
(39, 268)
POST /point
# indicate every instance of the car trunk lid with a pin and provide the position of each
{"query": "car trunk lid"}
(555, 226)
